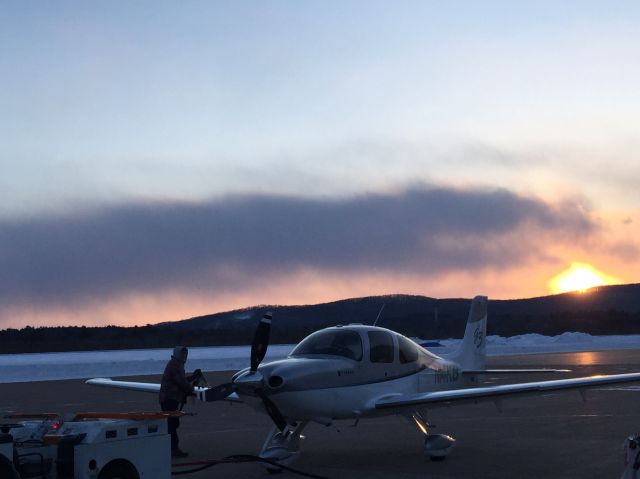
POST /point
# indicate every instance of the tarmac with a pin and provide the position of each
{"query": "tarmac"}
(548, 436)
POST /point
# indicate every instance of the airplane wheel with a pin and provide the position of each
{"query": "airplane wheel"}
(437, 446)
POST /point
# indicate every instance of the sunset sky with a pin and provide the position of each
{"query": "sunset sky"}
(161, 160)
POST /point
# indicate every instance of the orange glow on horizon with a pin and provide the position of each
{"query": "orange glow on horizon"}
(580, 277)
(304, 286)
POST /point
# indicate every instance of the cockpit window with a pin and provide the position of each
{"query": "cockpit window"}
(333, 342)
(408, 350)
(381, 347)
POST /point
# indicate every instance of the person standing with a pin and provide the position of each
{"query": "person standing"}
(174, 389)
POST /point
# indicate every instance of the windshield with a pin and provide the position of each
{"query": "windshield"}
(333, 342)
(408, 350)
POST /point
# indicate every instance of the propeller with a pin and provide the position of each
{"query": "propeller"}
(260, 342)
(272, 410)
(253, 379)
(219, 392)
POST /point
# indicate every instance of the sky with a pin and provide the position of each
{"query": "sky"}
(162, 160)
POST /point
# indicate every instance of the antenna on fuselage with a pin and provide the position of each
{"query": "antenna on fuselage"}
(379, 314)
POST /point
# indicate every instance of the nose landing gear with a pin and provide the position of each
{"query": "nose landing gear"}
(282, 447)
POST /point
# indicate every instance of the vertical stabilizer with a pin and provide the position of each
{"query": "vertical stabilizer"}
(473, 350)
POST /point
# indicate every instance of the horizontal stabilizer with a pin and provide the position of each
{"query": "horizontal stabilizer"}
(514, 371)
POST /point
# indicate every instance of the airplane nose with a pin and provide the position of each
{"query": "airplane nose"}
(275, 381)
(248, 378)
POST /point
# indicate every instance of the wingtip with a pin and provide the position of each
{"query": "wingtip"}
(97, 380)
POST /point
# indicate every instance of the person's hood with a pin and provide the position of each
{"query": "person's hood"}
(177, 353)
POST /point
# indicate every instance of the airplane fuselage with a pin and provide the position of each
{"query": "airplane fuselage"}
(338, 372)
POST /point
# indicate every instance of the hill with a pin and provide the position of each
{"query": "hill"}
(603, 310)
(600, 311)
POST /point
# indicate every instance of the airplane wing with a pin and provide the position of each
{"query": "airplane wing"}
(148, 387)
(454, 396)
(110, 383)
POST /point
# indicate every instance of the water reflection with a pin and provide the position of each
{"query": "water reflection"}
(587, 358)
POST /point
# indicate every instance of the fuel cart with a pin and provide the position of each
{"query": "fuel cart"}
(85, 446)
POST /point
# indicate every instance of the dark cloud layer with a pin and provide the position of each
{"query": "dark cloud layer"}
(227, 242)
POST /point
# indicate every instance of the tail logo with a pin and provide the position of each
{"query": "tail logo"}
(477, 337)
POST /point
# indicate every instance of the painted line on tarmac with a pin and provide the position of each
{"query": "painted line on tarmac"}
(209, 431)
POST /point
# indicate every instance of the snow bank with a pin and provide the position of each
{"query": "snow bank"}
(537, 344)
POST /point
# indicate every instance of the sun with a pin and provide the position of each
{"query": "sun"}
(580, 277)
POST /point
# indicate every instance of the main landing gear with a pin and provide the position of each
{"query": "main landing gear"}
(282, 446)
(436, 446)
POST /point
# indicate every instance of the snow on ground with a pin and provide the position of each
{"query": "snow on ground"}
(88, 364)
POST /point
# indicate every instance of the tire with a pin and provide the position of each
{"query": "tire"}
(7, 470)
(119, 470)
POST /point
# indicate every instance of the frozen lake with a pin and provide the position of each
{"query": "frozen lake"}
(88, 364)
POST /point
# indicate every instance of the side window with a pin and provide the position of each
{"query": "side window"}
(381, 347)
(408, 351)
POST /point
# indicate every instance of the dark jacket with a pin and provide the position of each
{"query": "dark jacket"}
(174, 383)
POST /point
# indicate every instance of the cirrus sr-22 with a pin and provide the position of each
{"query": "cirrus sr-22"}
(358, 371)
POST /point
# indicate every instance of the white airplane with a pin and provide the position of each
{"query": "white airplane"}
(357, 371)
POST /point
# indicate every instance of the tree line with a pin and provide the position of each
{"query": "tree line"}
(441, 326)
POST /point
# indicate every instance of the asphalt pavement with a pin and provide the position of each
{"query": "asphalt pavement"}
(549, 436)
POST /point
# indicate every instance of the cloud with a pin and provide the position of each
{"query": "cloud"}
(236, 241)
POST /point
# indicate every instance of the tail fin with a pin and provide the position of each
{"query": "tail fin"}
(473, 350)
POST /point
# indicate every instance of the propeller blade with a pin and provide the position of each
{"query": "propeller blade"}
(219, 392)
(273, 411)
(260, 341)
